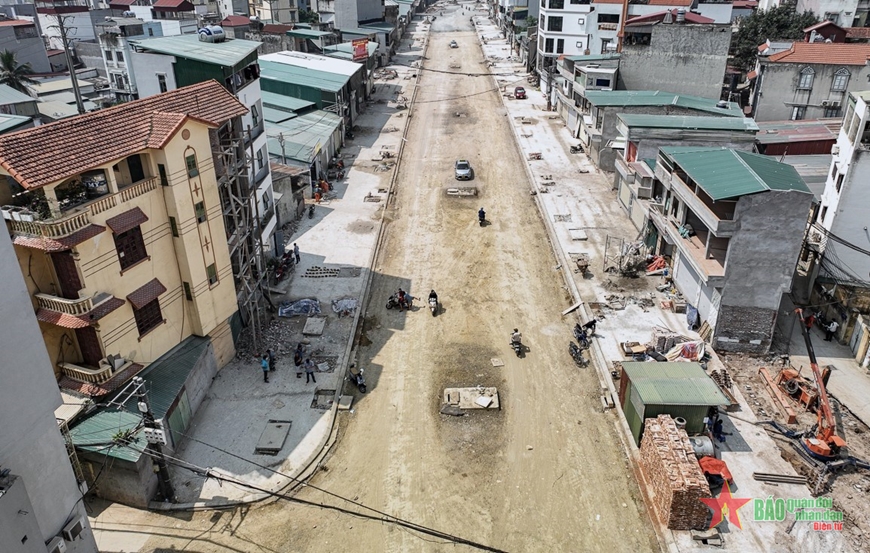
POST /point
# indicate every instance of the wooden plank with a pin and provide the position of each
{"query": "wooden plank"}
(773, 389)
(572, 308)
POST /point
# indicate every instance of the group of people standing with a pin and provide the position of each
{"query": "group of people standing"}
(267, 363)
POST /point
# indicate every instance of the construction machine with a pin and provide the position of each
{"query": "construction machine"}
(824, 444)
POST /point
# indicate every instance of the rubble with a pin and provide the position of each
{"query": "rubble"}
(670, 468)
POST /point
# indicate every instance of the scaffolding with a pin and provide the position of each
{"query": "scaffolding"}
(238, 189)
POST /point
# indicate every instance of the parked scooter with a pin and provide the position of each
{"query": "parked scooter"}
(433, 306)
(578, 149)
(577, 355)
(285, 266)
(517, 342)
(356, 376)
(481, 217)
(393, 301)
(581, 336)
(311, 211)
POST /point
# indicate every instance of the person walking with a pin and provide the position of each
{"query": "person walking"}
(264, 363)
(297, 360)
(296, 252)
(271, 357)
(717, 431)
(831, 330)
(309, 371)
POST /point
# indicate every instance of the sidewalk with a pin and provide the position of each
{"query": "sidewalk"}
(343, 234)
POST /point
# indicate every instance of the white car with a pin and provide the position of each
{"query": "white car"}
(453, 44)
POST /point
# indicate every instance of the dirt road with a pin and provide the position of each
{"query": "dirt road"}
(547, 472)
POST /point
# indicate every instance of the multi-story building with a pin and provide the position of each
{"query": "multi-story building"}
(119, 227)
(78, 16)
(40, 503)
(114, 34)
(276, 11)
(845, 13)
(809, 80)
(163, 64)
(350, 14)
(22, 38)
(838, 238)
(732, 223)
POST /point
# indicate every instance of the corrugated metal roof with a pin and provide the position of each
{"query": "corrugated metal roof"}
(12, 122)
(344, 51)
(806, 130)
(604, 98)
(724, 173)
(307, 33)
(689, 122)
(595, 57)
(381, 26)
(302, 135)
(302, 76)
(9, 95)
(228, 53)
(164, 379)
(673, 384)
(358, 31)
(272, 115)
(284, 103)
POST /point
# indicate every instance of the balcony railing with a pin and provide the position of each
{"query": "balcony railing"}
(608, 26)
(712, 269)
(75, 307)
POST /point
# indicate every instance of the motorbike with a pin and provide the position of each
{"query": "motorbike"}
(577, 355)
(517, 346)
(581, 336)
(311, 211)
(433, 306)
(356, 376)
(393, 301)
(285, 266)
(349, 135)
(481, 217)
(578, 149)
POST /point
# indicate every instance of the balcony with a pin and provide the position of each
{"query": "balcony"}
(721, 225)
(608, 26)
(75, 313)
(77, 307)
(710, 267)
(622, 167)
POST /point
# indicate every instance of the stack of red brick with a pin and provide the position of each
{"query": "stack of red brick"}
(671, 469)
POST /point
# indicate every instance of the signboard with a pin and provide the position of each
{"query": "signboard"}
(360, 49)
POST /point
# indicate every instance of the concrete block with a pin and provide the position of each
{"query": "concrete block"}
(314, 326)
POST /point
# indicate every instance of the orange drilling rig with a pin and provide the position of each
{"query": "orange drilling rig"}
(825, 444)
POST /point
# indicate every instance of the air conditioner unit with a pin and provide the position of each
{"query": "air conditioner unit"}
(74, 529)
(835, 104)
(825, 104)
(835, 150)
(56, 545)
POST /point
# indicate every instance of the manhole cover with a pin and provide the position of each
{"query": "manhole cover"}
(322, 399)
(325, 363)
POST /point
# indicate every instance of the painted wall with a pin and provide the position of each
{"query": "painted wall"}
(683, 59)
(845, 10)
(146, 67)
(27, 50)
(779, 90)
(30, 442)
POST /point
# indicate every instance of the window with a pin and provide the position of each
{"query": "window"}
(798, 113)
(832, 112)
(255, 115)
(173, 226)
(188, 295)
(150, 31)
(192, 171)
(557, 4)
(832, 16)
(199, 208)
(841, 80)
(806, 78)
(161, 82)
(109, 55)
(608, 18)
(130, 247)
(119, 56)
(148, 317)
(603, 83)
(554, 24)
(549, 46)
(822, 214)
(542, 24)
(581, 21)
(560, 46)
(161, 170)
(211, 271)
(840, 182)
(259, 159)
(605, 45)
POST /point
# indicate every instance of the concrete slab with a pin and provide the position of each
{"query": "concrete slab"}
(496, 362)
(273, 437)
(578, 234)
(323, 399)
(472, 398)
(314, 326)
(345, 403)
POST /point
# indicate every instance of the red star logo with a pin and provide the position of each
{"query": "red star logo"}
(725, 506)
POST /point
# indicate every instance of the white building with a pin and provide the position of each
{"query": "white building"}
(349, 14)
(40, 503)
(113, 35)
(845, 13)
(277, 11)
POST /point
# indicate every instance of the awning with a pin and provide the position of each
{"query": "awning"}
(751, 75)
(127, 220)
(146, 294)
(65, 320)
(58, 244)
(617, 143)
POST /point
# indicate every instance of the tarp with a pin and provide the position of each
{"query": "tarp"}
(298, 308)
(711, 465)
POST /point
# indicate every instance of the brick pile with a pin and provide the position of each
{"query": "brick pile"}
(671, 469)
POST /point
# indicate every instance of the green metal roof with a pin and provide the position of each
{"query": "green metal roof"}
(302, 76)
(698, 122)
(11, 122)
(9, 95)
(307, 33)
(344, 50)
(359, 32)
(595, 57)
(651, 162)
(724, 173)
(164, 379)
(302, 136)
(605, 98)
(228, 53)
(673, 384)
(272, 115)
(284, 103)
(381, 26)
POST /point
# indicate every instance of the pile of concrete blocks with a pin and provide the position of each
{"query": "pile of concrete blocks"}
(670, 467)
(663, 339)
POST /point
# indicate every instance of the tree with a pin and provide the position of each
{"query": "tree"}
(778, 23)
(308, 16)
(15, 74)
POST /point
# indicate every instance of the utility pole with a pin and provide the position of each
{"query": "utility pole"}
(154, 449)
(550, 86)
(64, 38)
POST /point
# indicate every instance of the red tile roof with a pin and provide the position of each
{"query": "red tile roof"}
(147, 293)
(659, 16)
(16, 23)
(124, 3)
(58, 244)
(857, 32)
(180, 5)
(127, 220)
(98, 390)
(670, 2)
(56, 151)
(235, 21)
(822, 24)
(277, 28)
(744, 4)
(79, 321)
(825, 53)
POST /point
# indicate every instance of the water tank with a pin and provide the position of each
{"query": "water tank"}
(681, 15)
(702, 445)
(129, 14)
(680, 422)
(211, 33)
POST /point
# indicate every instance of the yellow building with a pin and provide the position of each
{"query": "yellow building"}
(118, 229)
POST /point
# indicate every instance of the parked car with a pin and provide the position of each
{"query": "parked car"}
(462, 170)
(453, 44)
(520, 93)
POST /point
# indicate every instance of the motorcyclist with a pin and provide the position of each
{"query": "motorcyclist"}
(516, 337)
(481, 215)
(403, 301)
(433, 296)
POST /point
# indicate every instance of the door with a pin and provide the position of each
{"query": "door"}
(67, 275)
(134, 163)
(89, 345)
